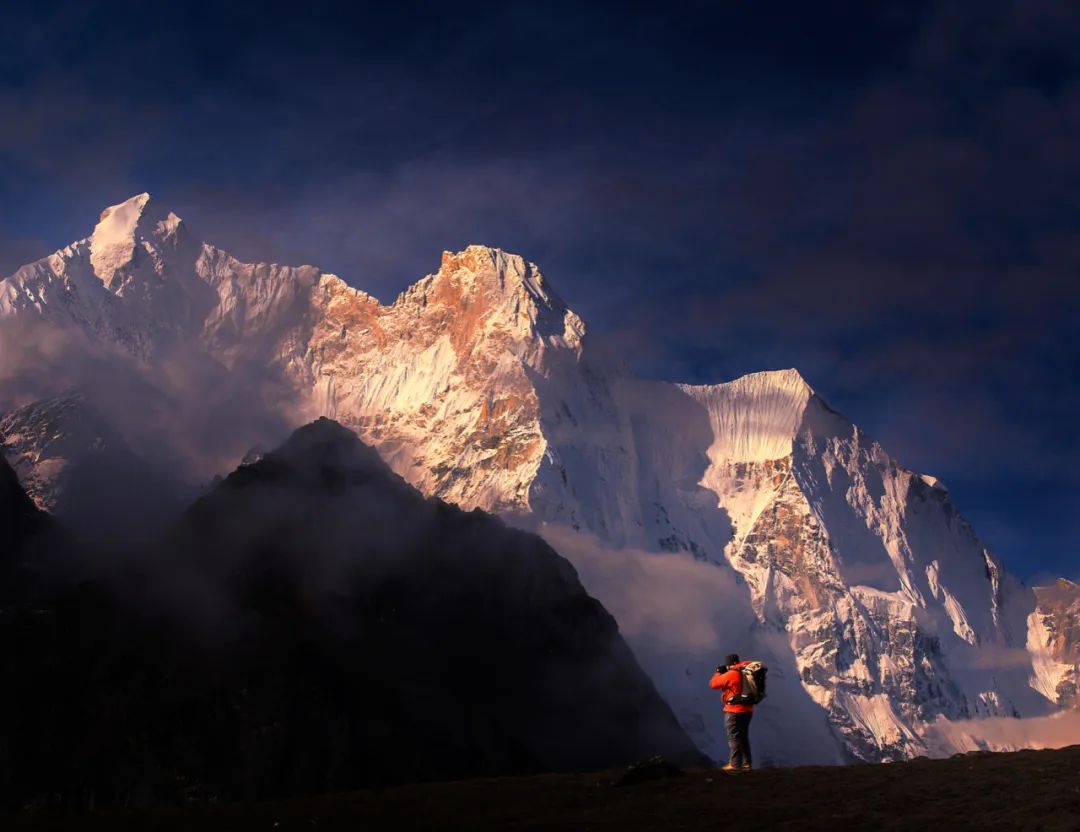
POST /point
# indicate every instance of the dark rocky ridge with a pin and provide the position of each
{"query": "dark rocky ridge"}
(29, 540)
(314, 624)
(20, 519)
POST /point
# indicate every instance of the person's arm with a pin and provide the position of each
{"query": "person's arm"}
(728, 682)
(717, 680)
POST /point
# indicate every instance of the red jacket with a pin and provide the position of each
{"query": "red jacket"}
(730, 684)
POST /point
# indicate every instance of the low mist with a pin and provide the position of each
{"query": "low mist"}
(183, 419)
(183, 410)
(681, 617)
(1058, 730)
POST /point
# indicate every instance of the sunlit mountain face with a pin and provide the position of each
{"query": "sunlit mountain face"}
(439, 392)
(746, 516)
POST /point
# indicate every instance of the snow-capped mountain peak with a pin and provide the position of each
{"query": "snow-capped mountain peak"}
(499, 271)
(485, 285)
(133, 282)
(121, 229)
(858, 577)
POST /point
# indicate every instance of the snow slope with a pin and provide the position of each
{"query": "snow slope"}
(874, 600)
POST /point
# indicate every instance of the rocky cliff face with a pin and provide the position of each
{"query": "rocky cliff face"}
(1054, 642)
(896, 611)
(859, 579)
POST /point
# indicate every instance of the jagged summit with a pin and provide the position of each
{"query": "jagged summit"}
(120, 230)
(485, 284)
(140, 280)
(478, 257)
(475, 386)
(934, 483)
(510, 271)
(449, 363)
(113, 240)
(129, 210)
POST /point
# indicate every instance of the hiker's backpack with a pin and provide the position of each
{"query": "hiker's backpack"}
(753, 684)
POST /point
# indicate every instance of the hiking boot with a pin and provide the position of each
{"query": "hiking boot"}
(730, 768)
(747, 767)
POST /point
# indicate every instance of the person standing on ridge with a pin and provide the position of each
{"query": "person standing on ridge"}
(728, 679)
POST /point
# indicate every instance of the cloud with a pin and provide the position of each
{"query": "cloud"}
(185, 414)
(945, 738)
(681, 617)
(994, 657)
(664, 603)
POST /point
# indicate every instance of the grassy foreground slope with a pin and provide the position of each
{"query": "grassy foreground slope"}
(1031, 790)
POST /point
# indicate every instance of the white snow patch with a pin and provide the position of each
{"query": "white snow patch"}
(113, 241)
(933, 482)
(876, 716)
(1047, 673)
(756, 417)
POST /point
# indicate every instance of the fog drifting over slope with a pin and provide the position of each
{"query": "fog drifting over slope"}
(186, 412)
(1004, 734)
(681, 617)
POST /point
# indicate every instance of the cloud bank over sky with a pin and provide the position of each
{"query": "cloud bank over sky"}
(883, 195)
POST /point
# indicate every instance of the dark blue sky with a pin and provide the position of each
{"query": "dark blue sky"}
(884, 195)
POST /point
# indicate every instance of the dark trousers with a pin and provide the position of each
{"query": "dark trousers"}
(738, 738)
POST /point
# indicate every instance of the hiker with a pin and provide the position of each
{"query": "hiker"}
(738, 709)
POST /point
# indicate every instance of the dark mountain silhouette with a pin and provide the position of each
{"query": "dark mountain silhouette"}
(20, 519)
(29, 540)
(314, 624)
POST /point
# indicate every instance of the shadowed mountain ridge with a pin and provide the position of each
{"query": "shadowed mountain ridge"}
(311, 624)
